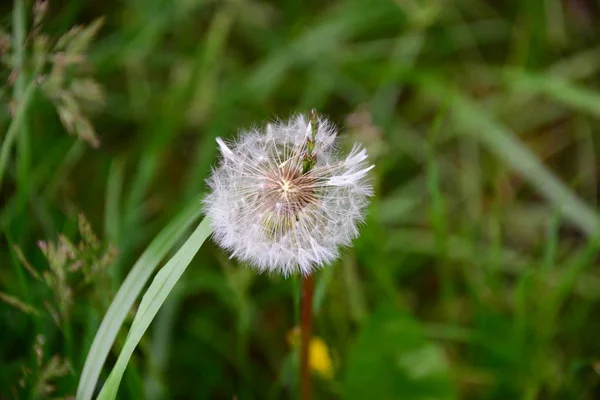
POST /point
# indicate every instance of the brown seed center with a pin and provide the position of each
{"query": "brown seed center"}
(288, 191)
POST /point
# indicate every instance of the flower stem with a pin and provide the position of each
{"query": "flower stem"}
(16, 125)
(305, 335)
(307, 282)
(23, 154)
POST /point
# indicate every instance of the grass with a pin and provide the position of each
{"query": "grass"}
(127, 294)
(153, 298)
(475, 276)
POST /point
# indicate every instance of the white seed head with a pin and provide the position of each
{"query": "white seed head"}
(271, 211)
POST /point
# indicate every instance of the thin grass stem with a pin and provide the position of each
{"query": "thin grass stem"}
(15, 127)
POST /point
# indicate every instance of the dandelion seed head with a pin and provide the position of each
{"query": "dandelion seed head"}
(268, 209)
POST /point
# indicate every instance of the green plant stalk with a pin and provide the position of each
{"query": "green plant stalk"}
(20, 271)
(164, 281)
(296, 289)
(67, 331)
(20, 88)
(438, 210)
(15, 126)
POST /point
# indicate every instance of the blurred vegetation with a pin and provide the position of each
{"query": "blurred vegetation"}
(476, 275)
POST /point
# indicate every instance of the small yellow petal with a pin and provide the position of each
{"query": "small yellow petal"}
(320, 361)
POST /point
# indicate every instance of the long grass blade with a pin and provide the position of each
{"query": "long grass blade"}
(153, 299)
(15, 127)
(471, 119)
(128, 292)
(569, 93)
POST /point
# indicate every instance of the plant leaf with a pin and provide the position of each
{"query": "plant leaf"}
(469, 118)
(153, 299)
(392, 359)
(128, 292)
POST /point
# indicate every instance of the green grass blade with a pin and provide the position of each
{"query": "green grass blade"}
(471, 119)
(552, 243)
(323, 281)
(23, 160)
(559, 89)
(114, 193)
(153, 299)
(438, 211)
(128, 292)
(510, 149)
(15, 127)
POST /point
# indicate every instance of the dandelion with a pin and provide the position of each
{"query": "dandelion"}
(285, 199)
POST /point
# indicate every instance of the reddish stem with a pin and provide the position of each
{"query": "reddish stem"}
(305, 335)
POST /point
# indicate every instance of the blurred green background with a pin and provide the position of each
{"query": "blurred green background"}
(475, 277)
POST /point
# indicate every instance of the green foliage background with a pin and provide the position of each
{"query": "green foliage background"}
(476, 275)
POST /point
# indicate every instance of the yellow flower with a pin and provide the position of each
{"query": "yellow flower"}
(319, 358)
